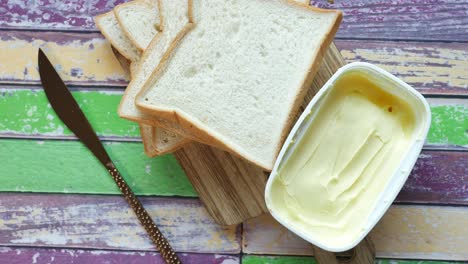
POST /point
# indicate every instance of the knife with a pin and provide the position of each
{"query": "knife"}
(70, 113)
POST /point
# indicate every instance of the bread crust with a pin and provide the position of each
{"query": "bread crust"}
(151, 147)
(143, 3)
(192, 126)
(110, 38)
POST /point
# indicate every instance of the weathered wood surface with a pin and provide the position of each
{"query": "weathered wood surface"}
(429, 67)
(106, 222)
(406, 231)
(255, 259)
(26, 113)
(68, 167)
(69, 256)
(88, 59)
(79, 58)
(439, 177)
(402, 19)
(53, 15)
(397, 19)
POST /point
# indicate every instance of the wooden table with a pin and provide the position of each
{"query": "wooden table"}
(57, 205)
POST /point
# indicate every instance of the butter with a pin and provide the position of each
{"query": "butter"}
(331, 182)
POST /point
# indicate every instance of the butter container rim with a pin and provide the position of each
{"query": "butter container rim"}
(397, 180)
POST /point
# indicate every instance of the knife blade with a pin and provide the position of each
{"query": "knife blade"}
(70, 113)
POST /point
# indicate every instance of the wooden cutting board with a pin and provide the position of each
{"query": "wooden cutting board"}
(230, 188)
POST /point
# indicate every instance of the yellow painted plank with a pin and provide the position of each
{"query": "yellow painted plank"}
(429, 67)
(81, 58)
(406, 231)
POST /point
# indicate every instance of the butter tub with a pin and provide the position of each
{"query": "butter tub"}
(347, 156)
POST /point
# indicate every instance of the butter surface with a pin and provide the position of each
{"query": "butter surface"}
(332, 181)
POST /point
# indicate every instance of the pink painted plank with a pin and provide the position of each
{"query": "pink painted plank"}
(439, 177)
(405, 231)
(431, 68)
(53, 15)
(66, 256)
(106, 222)
(402, 19)
(376, 19)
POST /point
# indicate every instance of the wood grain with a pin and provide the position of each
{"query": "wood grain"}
(230, 188)
(402, 19)
(432, 68)
(68, 167)
(406, 231)
(106, 222)
(67, 256)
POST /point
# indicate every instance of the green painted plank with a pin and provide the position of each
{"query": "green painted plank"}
(28, 112)
(449, 125)
(68, 167)
(253, 259)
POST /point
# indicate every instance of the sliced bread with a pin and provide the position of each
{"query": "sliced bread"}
(139, 20)
(238, 77)
(157, 141)
(174, 16)
(109, 27)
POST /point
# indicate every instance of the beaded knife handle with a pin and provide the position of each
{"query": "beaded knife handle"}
(70, 113)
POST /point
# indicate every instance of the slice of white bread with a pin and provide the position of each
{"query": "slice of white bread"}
(139, 20)
(174, 16)
(109, 27)
(157, 141)
(238, 77)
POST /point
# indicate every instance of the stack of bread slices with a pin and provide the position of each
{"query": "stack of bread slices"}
(227, 73)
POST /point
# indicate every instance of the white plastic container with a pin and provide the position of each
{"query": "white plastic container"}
(390, 84)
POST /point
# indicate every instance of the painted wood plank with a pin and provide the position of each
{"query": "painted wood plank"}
(68, 167)
(26, 112)
(402, 19)
(429, 67)
(67, 256)
(449, 122)
(437, 177)
(53, 15)
(255, 259)
(79, 58)
(106, 222)
(406, 231)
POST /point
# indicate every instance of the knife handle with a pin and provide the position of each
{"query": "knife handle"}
(156, 236)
